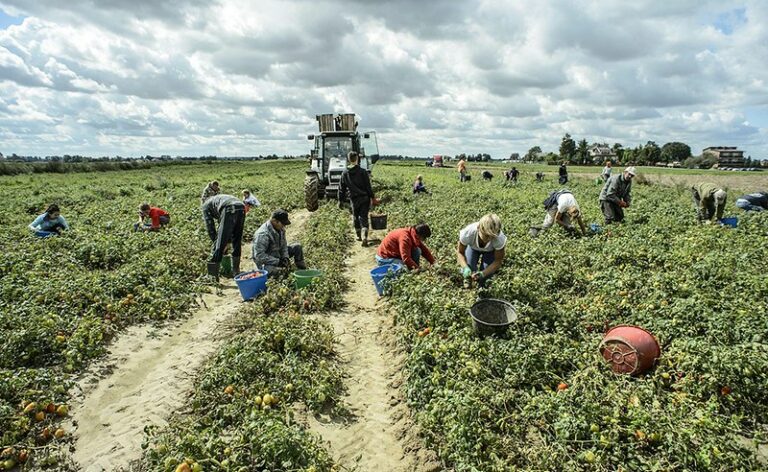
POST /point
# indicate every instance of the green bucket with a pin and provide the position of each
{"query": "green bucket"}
(305, 277)
(225, 268)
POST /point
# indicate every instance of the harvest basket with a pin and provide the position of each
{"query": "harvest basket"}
(492, 316)
(379, 221)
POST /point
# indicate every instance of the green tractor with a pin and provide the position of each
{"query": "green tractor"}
(328, 159)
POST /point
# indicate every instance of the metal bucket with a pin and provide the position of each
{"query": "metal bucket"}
(629, 349)
(492, 316)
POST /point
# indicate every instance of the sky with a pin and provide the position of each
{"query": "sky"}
(242, 78)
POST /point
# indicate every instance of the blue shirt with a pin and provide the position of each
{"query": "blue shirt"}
(41, 223)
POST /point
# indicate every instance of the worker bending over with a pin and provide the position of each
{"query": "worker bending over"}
(405, 246)
(480, 251)
(271, 251)
(250, 200)
(356, 182)
(418, 185)
(210, 190)
(757, 201)
(617, 195)
(158, 218)
(709, 200)
(229, 211)
(50, 221)
(562, 208)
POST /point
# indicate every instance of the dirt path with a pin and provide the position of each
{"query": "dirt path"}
(147, 375)
(377, 437)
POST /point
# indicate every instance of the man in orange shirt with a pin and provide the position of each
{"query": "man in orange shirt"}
(405, 246)
(158, 216)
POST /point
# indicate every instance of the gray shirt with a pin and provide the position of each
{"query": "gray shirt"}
(213, 208)
(615, 189)
(269, 245)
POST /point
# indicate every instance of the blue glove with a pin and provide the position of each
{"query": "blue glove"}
(466, 272)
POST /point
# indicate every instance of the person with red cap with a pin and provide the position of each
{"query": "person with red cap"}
(405, 246)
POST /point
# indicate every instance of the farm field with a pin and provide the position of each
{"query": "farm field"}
(540, 399)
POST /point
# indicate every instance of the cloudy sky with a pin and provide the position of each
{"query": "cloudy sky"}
(237, 77)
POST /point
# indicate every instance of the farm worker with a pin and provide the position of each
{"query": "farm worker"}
(209, 191)
(418, 185)
(50, 221)
(513, 175)
(487, 175)
(480, 251)
(562, 208)
(249, 200)
(709, 200)
(461, 167)
(405, 246)
(606, 170)
(617, 195)
(753, 201)
(230, 213)
(271, 251)
(563, 172)
(539, 176)
(356, 182)
(158, 217)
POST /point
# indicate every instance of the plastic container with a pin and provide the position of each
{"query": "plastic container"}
(630, 349)
(596, 228)
(250, 285)
(305, 277)
(45, 234)
(731, 221)
(492, 316)
(379, 221)
(379, 274)
(226, 265)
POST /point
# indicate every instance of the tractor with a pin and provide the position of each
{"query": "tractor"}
(328, 159)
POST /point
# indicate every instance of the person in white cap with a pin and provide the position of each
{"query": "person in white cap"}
(617, 195)
(709, 200)
(562, 208)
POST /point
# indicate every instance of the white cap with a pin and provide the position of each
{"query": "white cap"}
(631, 171)
(720, 196)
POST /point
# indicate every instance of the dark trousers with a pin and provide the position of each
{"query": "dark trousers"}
(230, 231)
(613, 213)
(360, 209)
(563, 179)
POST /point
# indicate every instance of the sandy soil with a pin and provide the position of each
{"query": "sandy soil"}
(379, 436)
(147, 375)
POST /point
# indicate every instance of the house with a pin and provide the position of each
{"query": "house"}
(599, 153)
(727, 156)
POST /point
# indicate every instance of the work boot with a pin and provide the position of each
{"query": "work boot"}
(301, 265)
(235, 266)
(365, 237)
(213, 270)
(357, 232)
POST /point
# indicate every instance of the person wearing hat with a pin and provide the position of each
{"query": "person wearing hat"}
(480, 251)
(209, 191)
(757, 201)
(617, 195)
(270, 249)
(709, 200)
(405, 246)
(158, 217)
(356, 182)
(229, 211)
(563, 209)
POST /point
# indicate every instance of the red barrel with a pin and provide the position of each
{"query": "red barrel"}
(630, 349)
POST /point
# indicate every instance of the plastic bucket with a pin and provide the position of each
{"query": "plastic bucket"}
(305, 277)
(629, 349)
(44, 234)
(492, 316)
(731, 221)
(378, 221)
(226, 265)
(379, 274)
(251, 284)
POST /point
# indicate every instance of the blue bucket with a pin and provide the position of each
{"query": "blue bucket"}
(45, 234)
(382, 272)
(731, 221)
(251, 287)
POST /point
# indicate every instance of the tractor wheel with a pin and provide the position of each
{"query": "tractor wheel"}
(311, 185)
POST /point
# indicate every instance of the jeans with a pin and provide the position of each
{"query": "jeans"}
(746, 206)
(415, 255)
(477, 260)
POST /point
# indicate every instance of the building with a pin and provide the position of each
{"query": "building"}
(727, 156)
(599, 153)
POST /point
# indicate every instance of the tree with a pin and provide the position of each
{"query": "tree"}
(532, 154)
(652, 152)
(618, 149)
(567, 148)
(675, 151)
(582, 152)
(515, 156)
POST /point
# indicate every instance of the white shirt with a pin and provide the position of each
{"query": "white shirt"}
(607, 170)
(468, 237)
(566, 201)
(252, 201)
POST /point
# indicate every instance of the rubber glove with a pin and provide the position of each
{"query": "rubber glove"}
(466, 272)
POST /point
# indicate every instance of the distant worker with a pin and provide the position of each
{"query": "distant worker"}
(753, 202)
(418, 185)
(709, 200)
(356, 182)
(562, 208)
(209, 191)
(461, 167)
(249, 200)
(271, 251)
(617, 195)
(405, 246)
(487, 175)
(480, 251)
(51, 221)
(606, 171)
(539, 176)
(512, 175)
(158, 218)
(229, 211)
(563, 172)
